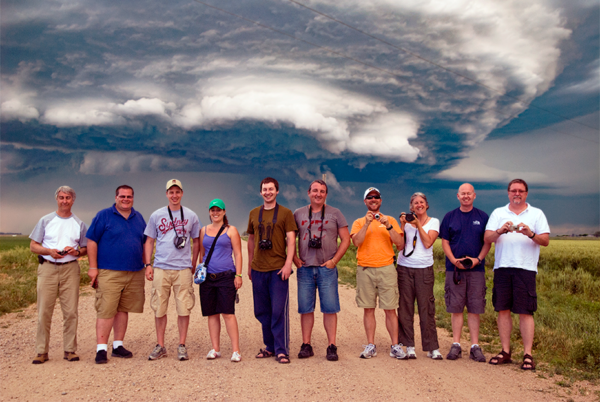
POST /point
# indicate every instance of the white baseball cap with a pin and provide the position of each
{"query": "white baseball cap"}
(369, 190)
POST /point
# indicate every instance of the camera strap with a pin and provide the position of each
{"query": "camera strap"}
(414, 245)
(310, 222)
(212, 248)
(261, 227)
(173, 222)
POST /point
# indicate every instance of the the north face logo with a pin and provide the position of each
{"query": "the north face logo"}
(476, 223)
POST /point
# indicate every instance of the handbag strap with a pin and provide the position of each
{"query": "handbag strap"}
(212, 248)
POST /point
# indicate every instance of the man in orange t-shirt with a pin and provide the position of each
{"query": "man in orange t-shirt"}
(375, 235)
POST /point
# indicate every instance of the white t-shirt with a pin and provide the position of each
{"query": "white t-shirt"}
(422, 257)
(515, 250)
(53, 231)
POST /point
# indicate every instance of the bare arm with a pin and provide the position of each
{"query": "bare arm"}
(250, 254)
(297, 261)
(286, 270)
(195, 252)
(236, 244)
(92, 249)
(148, 249)
(359, 237)
(200, 256)
(37, 248)
(344, 244)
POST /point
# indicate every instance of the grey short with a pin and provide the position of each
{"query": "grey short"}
(470, 292)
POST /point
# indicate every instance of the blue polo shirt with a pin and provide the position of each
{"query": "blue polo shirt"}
(120, 241)
(464, 231)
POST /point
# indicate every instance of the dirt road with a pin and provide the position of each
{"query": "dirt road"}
(315, 379)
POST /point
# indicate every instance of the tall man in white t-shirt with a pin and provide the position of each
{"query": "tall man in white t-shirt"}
(172, 227)
(59, 240)
(518, 229)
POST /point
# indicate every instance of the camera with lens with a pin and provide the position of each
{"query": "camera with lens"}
(377, 216)
(467, 262)
(265, 244)
(410, 217)
(514, 227)
(180, 242)
(314, 243)
(63, 252)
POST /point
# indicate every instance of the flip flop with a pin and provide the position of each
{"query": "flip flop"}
(264, 353)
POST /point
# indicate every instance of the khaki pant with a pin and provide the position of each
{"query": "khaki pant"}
(61, 280)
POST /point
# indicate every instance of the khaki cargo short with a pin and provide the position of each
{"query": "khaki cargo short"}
(373, 282)
(181, 282)
(119, 291)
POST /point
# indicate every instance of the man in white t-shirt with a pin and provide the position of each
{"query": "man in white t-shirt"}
(59, 240)
(172, 227)
(518, 229)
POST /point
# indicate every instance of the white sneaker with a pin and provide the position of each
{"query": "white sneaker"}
(435, 355)
(236, 357)
(213, 354)
(397, 352)
(410, 352)
(370, 351)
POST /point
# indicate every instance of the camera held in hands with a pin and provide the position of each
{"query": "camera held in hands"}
(265, 244)
(467, 262)
(63, 252)
(514, 228)
(314, 243)
(410, 217)
(377, 216)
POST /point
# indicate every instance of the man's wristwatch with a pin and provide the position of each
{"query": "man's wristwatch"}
(532, 236)
(147, 265)
(390, 228)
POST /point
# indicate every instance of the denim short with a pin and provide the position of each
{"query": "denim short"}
(326, 280)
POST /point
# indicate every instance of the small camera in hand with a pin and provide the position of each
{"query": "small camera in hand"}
(180, 242)
(410, 217)
(514, 227)
(265, 244)
(467, 263)
(377, 216)
(63, 252)
(314, 243)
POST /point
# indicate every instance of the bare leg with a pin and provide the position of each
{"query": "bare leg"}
(370, 324)
(473, 321)
(183, 322)
(457, 324)
(232, 330)
(161, 325)
(214, 329)
(330, 324)
(527, 326)
(307, 322)
(505, 328)
(391, 322)
(103, 328)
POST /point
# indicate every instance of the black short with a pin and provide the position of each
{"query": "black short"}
(217, 294)
(514, 290)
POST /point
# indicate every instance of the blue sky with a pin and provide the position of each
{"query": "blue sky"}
(97, 94)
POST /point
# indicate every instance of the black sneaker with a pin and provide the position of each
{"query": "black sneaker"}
(332, 353)
(101, 357)
(305, 351)
(121, 352)
(455, 352)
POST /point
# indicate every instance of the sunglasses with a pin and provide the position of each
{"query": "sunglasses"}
(373, 197)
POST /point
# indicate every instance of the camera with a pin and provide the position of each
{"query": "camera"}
(377, 216)
(63, 252)
(467, 262)
(180, 242)
(265, 244)
(409, 217)
(314, 243)
(514, 227)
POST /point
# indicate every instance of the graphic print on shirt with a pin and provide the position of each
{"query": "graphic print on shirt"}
(315, 227)
(166, 225)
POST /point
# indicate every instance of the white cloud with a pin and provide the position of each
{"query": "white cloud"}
(115, 163)
(14, 109)
(69, 115)
(590, 84)
(144, 106)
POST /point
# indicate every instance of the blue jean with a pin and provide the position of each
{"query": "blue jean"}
(271, 308)
(326, 280)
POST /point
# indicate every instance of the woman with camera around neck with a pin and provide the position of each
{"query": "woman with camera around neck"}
(416, 278)
(224, 277)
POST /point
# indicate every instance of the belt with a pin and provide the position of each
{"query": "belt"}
(58, 263)
(221, 275)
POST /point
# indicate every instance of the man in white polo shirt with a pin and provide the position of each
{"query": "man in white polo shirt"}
(518, 229)
(59, 240)
(172, 227)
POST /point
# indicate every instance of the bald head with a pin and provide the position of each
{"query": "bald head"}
(466, 196)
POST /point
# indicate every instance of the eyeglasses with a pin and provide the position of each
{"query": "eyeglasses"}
(373, 197)
(517, 191)
(129, 197)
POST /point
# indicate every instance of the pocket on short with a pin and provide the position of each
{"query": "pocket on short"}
(154, 299)
(532, 300)
(429, 276)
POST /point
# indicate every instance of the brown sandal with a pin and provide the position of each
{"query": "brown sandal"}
(528, 362)
(264, 353)
(501, 358)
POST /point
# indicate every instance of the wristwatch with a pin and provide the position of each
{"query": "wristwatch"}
(147, 265)
(390, 228)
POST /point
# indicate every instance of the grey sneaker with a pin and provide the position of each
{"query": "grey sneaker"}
(158, 352)
(476, 354)
(370, 351)
(397, 352)
(455, 352)
(410, 352)
(182, 353)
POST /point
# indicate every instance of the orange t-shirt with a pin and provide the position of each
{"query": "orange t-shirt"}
(377, 248)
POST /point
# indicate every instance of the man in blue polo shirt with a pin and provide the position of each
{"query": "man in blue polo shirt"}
(115, 250)
(462, 232)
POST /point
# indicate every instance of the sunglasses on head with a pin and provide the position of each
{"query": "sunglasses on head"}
(373, 197)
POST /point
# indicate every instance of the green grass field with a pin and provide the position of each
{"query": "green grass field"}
(10, 242)
(567, 333)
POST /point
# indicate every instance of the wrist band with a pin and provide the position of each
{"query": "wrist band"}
(390, 228)
(478, 259)
(532, 236)
(240, 275)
